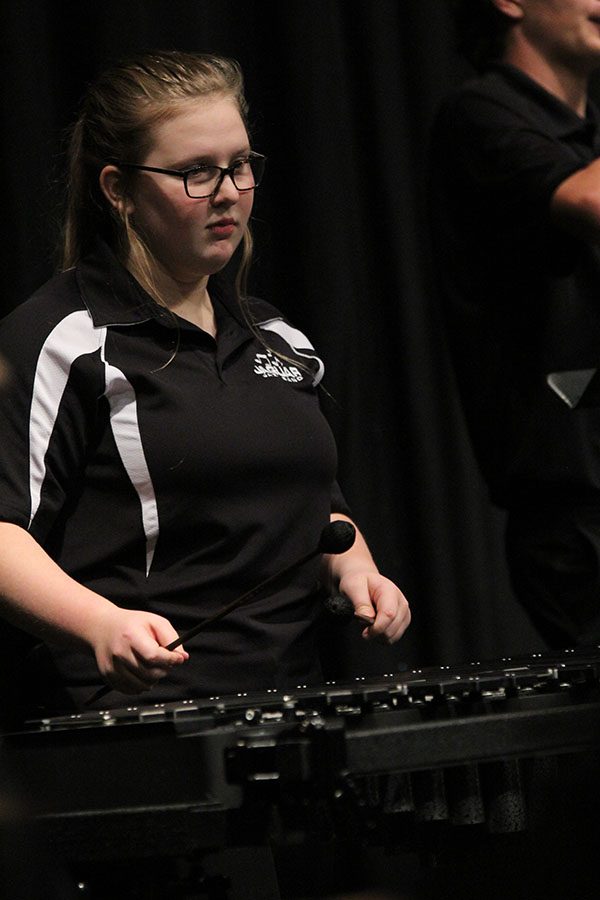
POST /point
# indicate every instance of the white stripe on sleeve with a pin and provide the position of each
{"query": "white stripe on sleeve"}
(296, 339)
(72, 338)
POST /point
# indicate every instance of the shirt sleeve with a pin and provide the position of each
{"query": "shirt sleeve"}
(506, 155)
(46, 411)
(338, 501)
(496, 169)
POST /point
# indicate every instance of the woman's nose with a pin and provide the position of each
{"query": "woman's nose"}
(225, 190)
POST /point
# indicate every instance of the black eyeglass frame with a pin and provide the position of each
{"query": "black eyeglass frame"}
(185, 173)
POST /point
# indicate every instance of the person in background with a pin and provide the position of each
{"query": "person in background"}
(163, 450)
(515, 219)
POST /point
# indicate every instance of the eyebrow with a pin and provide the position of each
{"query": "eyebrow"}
(208, 159)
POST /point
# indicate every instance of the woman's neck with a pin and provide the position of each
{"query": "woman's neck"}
(193, 303)
(186, 298)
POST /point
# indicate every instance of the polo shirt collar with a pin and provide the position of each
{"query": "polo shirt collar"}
(114, 297)
(562, 121)
(110, 292)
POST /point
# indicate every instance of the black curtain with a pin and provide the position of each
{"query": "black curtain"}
(342, 96)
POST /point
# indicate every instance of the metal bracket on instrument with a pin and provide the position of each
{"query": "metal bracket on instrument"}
(311, 752)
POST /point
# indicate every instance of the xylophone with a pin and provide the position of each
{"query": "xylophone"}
(438, 744)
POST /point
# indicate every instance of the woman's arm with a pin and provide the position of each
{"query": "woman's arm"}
(355, 575)
(39, 597)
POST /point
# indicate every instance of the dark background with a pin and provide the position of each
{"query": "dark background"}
(342, 96)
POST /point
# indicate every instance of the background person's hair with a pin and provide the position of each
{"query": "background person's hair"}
(116, 117)
(481, 31)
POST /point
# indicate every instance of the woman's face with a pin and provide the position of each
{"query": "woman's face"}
(190, 238)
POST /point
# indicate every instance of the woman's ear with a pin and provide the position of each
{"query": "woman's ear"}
(112, 186)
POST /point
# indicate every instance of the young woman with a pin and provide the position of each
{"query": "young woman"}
(163, 450)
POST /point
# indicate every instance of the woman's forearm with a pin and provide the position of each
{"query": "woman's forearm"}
(357, 558)
(38, 596)
(355, 574)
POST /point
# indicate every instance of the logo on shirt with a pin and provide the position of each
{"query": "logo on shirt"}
(270, 366)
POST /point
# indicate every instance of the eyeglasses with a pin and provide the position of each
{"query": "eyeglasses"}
(201, 182)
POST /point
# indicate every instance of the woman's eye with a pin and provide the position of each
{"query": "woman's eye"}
(202, 175)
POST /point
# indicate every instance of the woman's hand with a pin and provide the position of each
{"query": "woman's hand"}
(355, 575)
(130, 649)
(375, 596)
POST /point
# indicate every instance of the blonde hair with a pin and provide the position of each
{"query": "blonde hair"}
(115, 122)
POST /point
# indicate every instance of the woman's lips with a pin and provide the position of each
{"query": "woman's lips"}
(223, 228)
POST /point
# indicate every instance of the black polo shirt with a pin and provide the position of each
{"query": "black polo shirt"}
(168, 471)
(521, 297)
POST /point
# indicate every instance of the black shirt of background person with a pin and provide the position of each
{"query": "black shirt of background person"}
(521, 298)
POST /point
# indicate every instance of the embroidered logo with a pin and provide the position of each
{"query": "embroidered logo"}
(269, 366)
